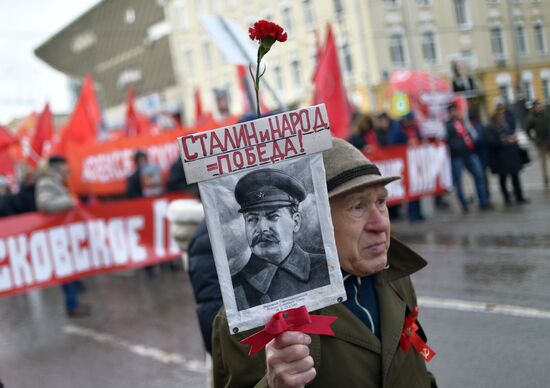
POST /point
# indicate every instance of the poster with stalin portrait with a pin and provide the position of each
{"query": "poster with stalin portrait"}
(262, 185)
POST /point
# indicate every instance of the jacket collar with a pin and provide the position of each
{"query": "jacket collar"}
(259, 272)
(402, 261)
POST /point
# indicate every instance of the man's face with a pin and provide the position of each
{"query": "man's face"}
(362, 229)
(270, 232)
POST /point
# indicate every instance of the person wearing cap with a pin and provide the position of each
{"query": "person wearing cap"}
(365, 350)
(52, 196)
(278, 267)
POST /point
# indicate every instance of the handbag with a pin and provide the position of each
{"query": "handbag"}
(524, 156)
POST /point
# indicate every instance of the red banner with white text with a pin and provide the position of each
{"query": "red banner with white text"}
(40, 250)
(424, 169)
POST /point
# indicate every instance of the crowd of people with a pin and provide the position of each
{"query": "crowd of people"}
(481, 148)
(380, 293)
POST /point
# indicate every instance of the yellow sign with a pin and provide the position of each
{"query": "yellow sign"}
(400, 105)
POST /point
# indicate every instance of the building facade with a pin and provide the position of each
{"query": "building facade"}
(503, 43)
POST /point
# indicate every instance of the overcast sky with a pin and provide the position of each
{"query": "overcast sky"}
(27, 83)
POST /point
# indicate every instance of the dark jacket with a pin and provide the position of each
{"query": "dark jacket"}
(299, 272)
(24, 201)
(354, 357)
(6, 205)
(176, 180)
(457, 144)
(133, 185)
(504, 158)
(204, 279)
(538, 127)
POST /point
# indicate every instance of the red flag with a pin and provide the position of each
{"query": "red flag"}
(329, 89)
(7, 164)
(86, 117)
(42, 134)
(198, 105)
(136, 124)
(6, 139)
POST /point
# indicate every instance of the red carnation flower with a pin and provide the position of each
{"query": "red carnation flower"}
(264, 29)
(267, 33)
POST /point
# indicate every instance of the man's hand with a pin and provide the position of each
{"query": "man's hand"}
(288, 361)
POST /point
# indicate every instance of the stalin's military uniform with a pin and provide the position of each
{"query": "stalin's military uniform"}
(260, 281)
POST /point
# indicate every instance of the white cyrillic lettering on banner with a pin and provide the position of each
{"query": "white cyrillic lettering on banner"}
(393, 167)
(5, 276)
(20, 268)
(101, 257)
(40, 256)
(59, 243)
(117, 240)
(159, 215)
(81, 255)
(173, 248)
(137, 251)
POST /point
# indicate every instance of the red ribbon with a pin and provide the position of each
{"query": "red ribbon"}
(297, 319)
(409, 337)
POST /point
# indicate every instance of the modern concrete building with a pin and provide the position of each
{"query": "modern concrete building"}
(122, 44)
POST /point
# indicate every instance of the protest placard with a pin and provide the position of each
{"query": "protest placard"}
(262, 185)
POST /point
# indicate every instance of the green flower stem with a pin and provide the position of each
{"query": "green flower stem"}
(257, 87)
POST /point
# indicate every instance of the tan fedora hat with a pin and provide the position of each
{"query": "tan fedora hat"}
(346, 169)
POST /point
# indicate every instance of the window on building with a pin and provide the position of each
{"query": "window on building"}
(183, 17)
(546, 89)
(397, 51)
(188, 54)
(339, 8)
(428, 47)
(461, 13)
(521, 43)
(207, 55)
(130, 16)
(296, 76)
(505, 93)
(278, 77)
(540, 40)
(392, 3)
(309, 15)
(424, 2)
(287, 19)
(497, 45)
(346, 55)
(493, 1)
(527, 89)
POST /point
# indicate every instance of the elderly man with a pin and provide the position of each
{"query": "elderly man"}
(278, 267)
(365, 350)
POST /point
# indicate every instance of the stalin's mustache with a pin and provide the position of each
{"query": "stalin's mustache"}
(265, 237)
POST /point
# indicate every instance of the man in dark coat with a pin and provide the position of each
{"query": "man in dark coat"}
(462, 147)
(365, 350)
(204, 279)
(504, 156)
(134, 187)
(278, 267)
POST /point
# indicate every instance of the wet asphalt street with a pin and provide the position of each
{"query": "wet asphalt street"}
(484, 303)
